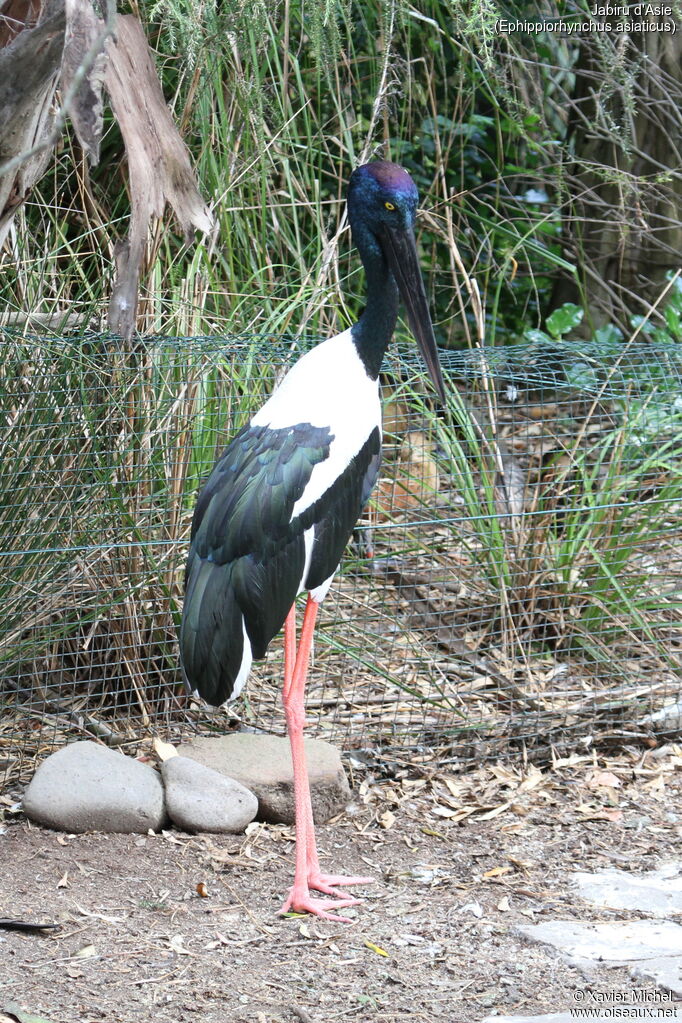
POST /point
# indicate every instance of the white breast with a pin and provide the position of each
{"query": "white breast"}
(328, 387)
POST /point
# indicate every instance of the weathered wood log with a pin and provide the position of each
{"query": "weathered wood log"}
(83, 36)
(159, 166)
(62, 44)
(29, 72)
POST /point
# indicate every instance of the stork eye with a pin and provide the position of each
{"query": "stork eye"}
(389, 206)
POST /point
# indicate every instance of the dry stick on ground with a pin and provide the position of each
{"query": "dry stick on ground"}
(26, 927)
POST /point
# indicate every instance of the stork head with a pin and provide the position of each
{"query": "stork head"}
(382, 209)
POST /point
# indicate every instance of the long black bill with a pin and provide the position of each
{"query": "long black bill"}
(401, 251)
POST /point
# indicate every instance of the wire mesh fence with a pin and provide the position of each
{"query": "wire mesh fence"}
(515, 584)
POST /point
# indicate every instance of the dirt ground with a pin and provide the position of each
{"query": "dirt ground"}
(459, 862)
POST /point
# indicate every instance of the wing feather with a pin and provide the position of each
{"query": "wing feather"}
(247, 555)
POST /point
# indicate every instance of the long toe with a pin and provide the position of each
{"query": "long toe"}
(329, 882)
(304, 902)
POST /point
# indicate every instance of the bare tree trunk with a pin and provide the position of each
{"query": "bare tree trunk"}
(623, 222)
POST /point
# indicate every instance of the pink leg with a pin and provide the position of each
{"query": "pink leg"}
(307, 873)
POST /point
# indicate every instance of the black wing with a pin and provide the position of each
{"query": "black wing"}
(246, 556)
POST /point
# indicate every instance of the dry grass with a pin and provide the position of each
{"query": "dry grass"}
(481, 625)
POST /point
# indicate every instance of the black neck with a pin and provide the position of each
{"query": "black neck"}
(374, 329)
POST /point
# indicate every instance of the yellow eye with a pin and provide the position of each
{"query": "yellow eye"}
(389, 206)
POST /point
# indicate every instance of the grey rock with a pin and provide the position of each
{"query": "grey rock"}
(200, 799)
(88, 787)
(595, 1017)
(649, 948)
(657, 893)
(262, 763)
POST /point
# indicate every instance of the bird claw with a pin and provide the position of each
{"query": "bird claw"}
(301, 901)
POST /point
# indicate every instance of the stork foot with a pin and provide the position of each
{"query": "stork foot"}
(300, 900)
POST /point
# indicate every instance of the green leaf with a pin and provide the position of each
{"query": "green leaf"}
(608, 334)
(672, 318)
(581, 376)
(642, 322)
(539, 336)
(677, 283)
(563, 319)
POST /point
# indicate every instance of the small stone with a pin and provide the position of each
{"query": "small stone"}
(89, 787)
(262, 763)
(200, 799)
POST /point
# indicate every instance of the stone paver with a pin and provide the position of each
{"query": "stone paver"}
(658, 893)
(650, 949)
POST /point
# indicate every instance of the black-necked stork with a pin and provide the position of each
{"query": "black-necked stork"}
(280, 505)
